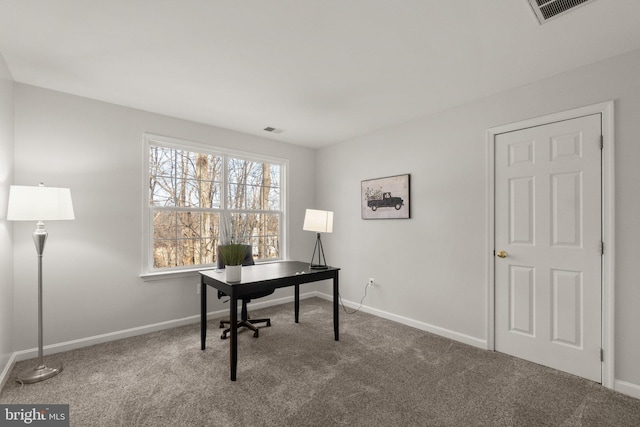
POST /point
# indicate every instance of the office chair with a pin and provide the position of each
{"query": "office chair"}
(244, 321)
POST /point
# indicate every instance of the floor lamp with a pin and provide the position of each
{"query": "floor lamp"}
(320, 222)
(39, 204)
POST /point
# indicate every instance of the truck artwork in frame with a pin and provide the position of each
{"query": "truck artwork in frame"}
(385, 198)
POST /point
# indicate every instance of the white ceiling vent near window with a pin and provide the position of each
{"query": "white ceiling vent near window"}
(549, 9)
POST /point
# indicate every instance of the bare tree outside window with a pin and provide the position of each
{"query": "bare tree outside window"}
(190, 215)
(254, 200)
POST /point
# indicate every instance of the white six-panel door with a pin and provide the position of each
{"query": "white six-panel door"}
(548, 212)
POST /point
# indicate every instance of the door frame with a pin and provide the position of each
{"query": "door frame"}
(606, 109)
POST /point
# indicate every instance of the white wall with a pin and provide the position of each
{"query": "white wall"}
(92, 265)
(431, 269)
(6, 250)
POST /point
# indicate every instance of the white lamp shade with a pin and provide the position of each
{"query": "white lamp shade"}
(318, 221)
(39, 203)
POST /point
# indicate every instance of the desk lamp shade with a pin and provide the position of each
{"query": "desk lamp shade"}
(320, 222)
(39, 204)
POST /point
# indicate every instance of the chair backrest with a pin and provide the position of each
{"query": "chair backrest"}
(248, 257)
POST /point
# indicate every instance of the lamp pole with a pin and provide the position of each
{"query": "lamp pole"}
(41, 372)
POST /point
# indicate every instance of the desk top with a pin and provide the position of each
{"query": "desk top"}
(266, 272)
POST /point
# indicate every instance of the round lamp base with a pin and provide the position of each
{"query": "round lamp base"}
(37, 374)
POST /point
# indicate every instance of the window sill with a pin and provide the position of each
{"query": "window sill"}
(173, 274)
(191, 272)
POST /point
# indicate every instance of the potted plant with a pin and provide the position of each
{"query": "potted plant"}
(232, 256)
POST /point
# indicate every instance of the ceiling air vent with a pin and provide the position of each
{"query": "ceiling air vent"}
(549, 9)
(272, 130)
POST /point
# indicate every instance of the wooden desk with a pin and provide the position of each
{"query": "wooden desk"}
(256, 278)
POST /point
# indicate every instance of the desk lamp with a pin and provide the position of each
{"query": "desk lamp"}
(39, 204)
(320, 222)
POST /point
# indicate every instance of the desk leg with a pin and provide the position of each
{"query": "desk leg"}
(336, 311)
(233, 319)
(203, 314)
(296, 303)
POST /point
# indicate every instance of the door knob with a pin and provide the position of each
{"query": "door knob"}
(502, 254)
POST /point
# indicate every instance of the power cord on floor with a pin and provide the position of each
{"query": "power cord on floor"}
(360, 306)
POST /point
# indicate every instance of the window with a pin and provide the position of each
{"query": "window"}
(198, 197)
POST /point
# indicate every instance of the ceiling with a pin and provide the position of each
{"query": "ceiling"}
(323, 71)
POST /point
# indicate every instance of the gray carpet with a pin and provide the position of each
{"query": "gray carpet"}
(380, 373)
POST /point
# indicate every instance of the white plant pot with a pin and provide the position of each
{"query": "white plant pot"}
(234, 273)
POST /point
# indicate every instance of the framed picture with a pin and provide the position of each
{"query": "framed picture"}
(385, 198)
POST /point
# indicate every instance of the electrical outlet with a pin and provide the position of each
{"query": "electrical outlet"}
(371, 282)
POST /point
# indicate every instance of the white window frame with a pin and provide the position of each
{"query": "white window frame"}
(148, 270)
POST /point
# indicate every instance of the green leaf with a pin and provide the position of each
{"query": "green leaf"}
(233, 254)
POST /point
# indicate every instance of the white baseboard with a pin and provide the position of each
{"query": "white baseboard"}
(141, 330)
(629, 389)
(4, 376)
(456, 336)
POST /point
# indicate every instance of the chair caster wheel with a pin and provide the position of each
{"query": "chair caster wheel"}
(268, 322)
(223, 336)
(256, 334)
